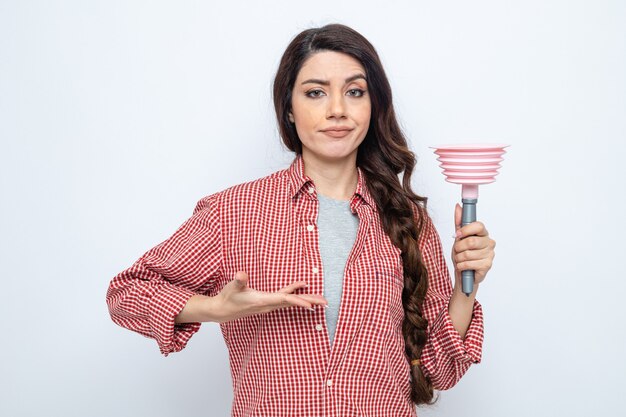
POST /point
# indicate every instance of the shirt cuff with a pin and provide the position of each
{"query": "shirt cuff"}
(163, 308)
(467, 350)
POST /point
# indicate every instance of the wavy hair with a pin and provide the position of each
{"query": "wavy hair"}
(382, 156)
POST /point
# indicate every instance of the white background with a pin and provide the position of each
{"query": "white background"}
(116, 117)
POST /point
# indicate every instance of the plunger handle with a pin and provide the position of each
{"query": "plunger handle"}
(469, 216)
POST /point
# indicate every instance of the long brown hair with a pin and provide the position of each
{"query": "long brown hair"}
(382, 155)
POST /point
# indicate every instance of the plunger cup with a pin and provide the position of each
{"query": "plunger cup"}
(471, 166)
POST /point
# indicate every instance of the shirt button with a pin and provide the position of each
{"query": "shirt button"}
(318, 327)
(310, 228)
(329, 383)
(315, 270)
(311, 190)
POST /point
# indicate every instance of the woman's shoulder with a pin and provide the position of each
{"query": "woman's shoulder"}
(257, 191)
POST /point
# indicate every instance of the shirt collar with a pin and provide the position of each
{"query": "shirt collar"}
(300, 183)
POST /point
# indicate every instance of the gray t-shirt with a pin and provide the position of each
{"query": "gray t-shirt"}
(337, 232)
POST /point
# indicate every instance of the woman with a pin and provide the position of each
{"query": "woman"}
(257, 257)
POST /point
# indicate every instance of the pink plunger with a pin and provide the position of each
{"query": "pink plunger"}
(470, 166)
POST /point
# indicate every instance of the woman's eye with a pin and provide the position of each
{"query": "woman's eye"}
(314, 93)
(356, 92)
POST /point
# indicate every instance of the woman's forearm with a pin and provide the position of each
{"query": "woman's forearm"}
(461, 308)
(197, 310)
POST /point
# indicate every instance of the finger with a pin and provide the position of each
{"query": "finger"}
(473, 255)
(299, 301)
(472, 243)
(308, 300)
(313, 299)
(275, 301)
(472, 229)
(481, 267)
(241, 280)
(293, 287)
(458, 213)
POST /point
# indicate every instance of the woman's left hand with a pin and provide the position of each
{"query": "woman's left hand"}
(473, 249)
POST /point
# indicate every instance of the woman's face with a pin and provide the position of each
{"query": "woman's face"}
(331, 107)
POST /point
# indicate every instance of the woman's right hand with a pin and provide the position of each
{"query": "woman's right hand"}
(237, 300)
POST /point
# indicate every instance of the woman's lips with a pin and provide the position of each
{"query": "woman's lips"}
(337, 133)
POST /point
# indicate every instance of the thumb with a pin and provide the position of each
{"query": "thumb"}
(241, 280)
(458, 213)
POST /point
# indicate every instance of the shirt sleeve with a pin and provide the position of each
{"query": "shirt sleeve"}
(146, 297)
(446, 356)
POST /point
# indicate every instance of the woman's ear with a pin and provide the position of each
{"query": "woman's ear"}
(291, 119)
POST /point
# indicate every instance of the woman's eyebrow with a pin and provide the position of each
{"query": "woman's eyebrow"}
(325, 82)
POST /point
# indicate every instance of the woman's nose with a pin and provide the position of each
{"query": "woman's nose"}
(336, 106)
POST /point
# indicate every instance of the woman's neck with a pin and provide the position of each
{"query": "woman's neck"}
(336, 180)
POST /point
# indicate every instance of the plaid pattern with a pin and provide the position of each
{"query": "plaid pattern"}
(282, 363)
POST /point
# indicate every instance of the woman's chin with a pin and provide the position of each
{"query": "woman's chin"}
(333, 157)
